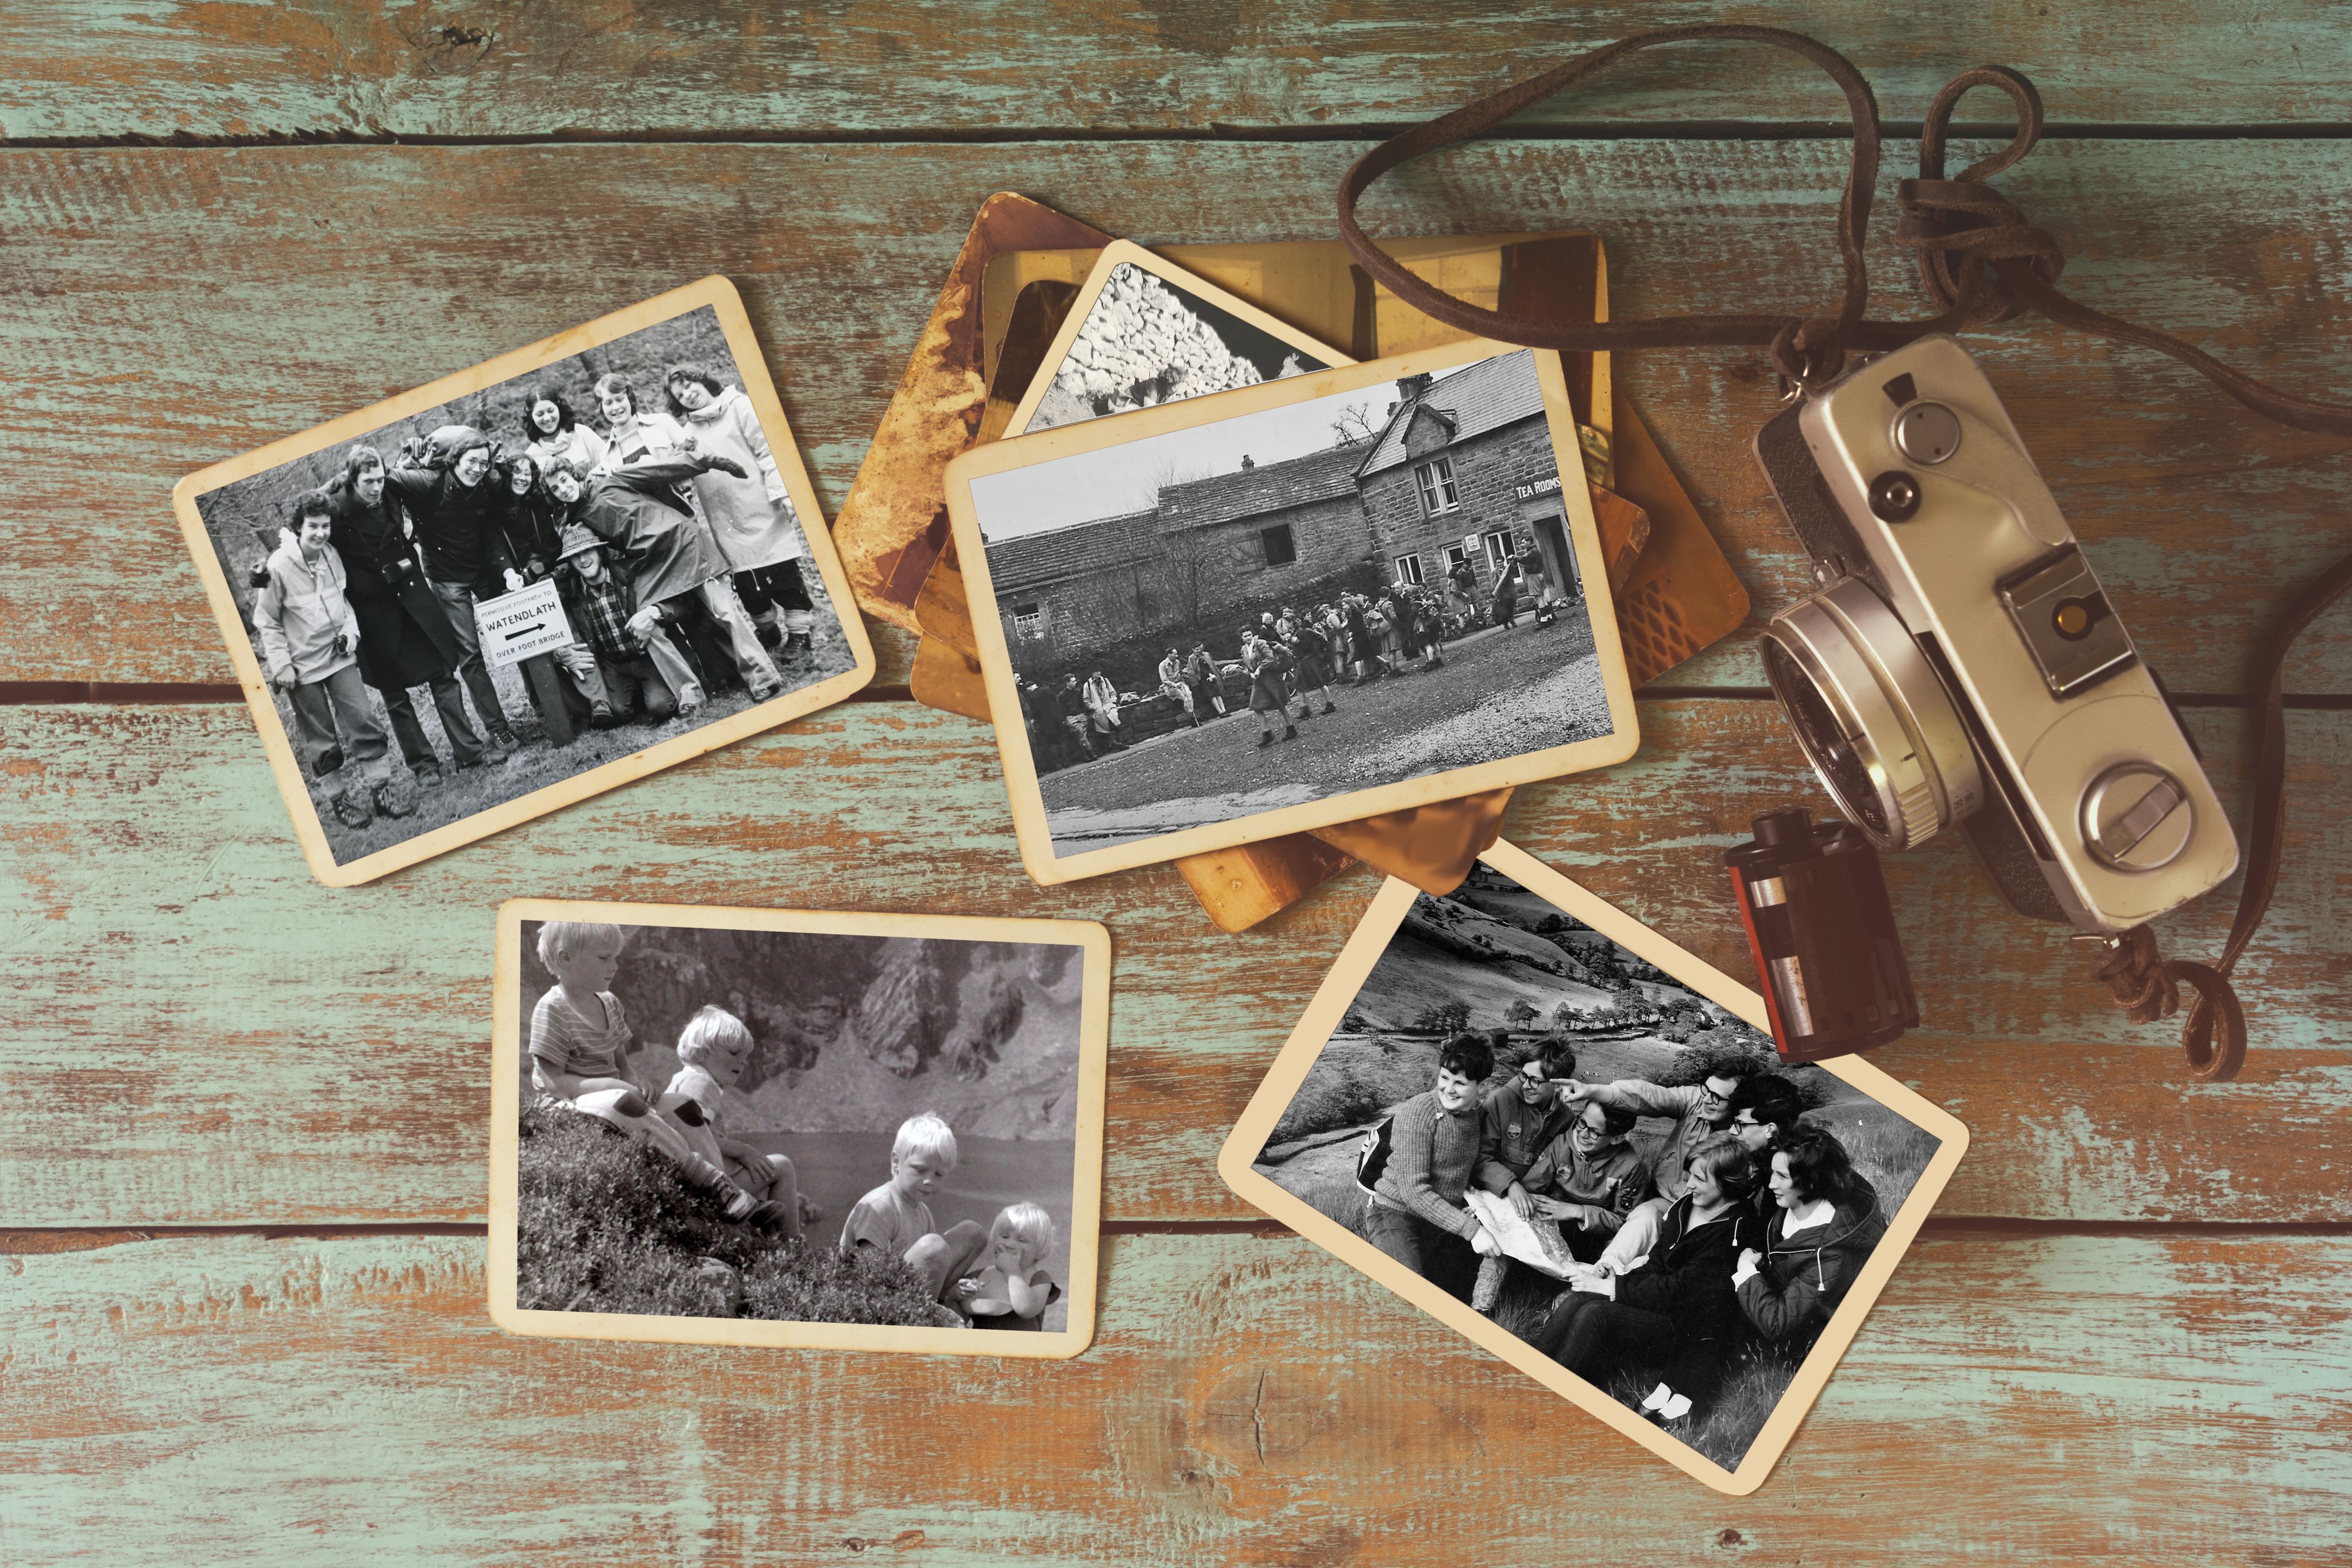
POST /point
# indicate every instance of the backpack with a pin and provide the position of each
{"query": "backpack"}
(1373, 1160)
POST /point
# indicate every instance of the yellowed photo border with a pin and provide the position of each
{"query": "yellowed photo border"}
(1086, 1196)
(714, 292)
(1235, 1163)
(1127, 253)
(1029, 823)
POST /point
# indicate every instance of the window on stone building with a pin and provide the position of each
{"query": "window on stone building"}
(1281, 550)
(1498, 547)
(1437, 491)
(1028, 621)
(1454, 556)
(1408, 571)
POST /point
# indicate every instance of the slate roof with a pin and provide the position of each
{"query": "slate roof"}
(1269, 487)
(1478, 398)
(1033, 560)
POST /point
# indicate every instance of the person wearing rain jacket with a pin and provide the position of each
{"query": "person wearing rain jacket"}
(752, 518)
(1825, 1227)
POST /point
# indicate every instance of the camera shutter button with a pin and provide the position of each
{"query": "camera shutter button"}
(2136, 817)
(1927, 433)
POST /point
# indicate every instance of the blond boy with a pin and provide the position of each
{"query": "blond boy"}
(715, 1047)
(894, 1219)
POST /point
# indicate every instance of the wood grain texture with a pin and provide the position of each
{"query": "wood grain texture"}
(246, 68)
(1248, 1400)
(199, 1033)
(174, 306)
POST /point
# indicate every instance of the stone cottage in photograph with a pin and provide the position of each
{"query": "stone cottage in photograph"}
(1462, 468)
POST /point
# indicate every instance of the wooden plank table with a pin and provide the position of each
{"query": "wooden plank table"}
(243, 1152)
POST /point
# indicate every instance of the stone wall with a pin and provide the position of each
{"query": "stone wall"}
(1487, 470)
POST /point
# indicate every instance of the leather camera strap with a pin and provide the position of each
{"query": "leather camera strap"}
(1981, 263)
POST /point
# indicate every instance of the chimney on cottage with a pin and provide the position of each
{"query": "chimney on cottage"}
(1246, 463)
(1410, 387)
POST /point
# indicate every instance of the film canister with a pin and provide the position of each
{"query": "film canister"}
(1819, 923)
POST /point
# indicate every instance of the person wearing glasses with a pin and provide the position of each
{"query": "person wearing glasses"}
(1700, 1111)
(1519, 1118)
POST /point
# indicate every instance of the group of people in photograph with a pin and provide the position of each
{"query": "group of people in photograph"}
(1284, 667)
(1741, 1233)
(669, 535)
(972, 1276)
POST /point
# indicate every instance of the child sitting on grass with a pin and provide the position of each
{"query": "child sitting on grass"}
(578, 1037)
(714, 1046)
(895, 1219)
(1014, 1290)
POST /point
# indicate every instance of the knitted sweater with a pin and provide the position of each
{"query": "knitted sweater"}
(1432, 1153)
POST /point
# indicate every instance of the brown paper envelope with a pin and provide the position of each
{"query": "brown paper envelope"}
(943, 678)
(893, 525)
(1431, 846)
(1240, 887)
(1682, 594)
(1624, 529)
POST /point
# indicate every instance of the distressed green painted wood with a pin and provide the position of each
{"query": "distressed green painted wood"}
(169, 307)
(198, 1033)
(1248, 1400)
(240, 68)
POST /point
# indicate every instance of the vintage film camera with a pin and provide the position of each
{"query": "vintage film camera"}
(1960, 661)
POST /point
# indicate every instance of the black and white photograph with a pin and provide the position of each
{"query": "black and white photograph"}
(1594, 1156)
(888, 1124)
(501, 592)
(1232, 616)
(1151, 334)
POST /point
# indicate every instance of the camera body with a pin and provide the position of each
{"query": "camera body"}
(1960, 661)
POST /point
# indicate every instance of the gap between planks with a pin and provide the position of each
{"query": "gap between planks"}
(1366, 131)
(28, 1241)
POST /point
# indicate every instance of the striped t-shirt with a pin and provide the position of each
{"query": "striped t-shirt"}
(569, 1042)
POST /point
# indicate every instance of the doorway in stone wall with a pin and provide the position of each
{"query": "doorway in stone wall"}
(1551, 542)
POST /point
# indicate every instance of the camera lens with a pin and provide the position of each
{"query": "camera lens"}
(1834, 756)
(1872, 717)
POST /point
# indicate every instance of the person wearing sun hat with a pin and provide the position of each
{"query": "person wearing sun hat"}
(603, 612)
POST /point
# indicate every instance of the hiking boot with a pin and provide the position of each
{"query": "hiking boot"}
(352, 810)
(771, 635)
(396, 797)
(493, 755)
(505, 737)
(1264, 738)
(765, 690)
(1329, 708)
(1290, 732)
(425, 769)
(799, 645)
(601, 716)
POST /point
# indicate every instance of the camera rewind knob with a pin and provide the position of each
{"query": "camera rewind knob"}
(2136, 817)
